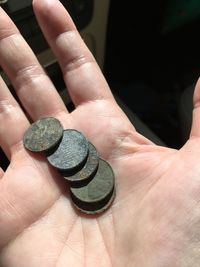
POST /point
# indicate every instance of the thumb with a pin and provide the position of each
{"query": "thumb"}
(195, 128)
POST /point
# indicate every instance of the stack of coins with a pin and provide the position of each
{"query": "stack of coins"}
(91, 179)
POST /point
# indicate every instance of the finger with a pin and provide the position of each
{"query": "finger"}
(13, 122)
(195, 129)
(82, 75)
(33, 86)
(1, 173)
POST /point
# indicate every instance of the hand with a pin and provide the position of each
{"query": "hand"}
(155, 218)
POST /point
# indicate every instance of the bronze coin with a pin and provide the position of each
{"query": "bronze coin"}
(88, 169)
(98, 194)
(71, 152)
(43, 134)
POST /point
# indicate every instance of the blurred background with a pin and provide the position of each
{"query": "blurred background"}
(148, 51)
(153, 61)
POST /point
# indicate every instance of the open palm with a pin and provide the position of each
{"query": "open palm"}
(155, 218)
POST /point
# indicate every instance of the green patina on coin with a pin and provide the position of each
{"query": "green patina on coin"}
(98, 194)
(71, 152)
(88, 169)
(43, 135)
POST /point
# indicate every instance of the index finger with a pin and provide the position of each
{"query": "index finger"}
(82, 75)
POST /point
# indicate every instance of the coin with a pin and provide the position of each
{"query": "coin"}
(43, 134)
(88, 169)
(71, 152)
(98, 194)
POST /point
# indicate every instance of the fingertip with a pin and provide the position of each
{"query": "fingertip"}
(52, 17)
(45, 6)
(42, 5)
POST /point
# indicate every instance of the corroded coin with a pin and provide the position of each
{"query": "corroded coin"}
(43, 134)
(88, 169)
(98, 194)
(71, 152)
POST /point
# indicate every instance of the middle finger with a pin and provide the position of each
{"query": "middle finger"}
(33, 86)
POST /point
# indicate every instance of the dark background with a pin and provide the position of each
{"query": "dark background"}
(150, 69)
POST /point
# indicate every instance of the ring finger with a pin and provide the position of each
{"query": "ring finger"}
(32, 85)
(12, 120)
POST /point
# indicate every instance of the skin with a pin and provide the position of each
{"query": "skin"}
(155, 218)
